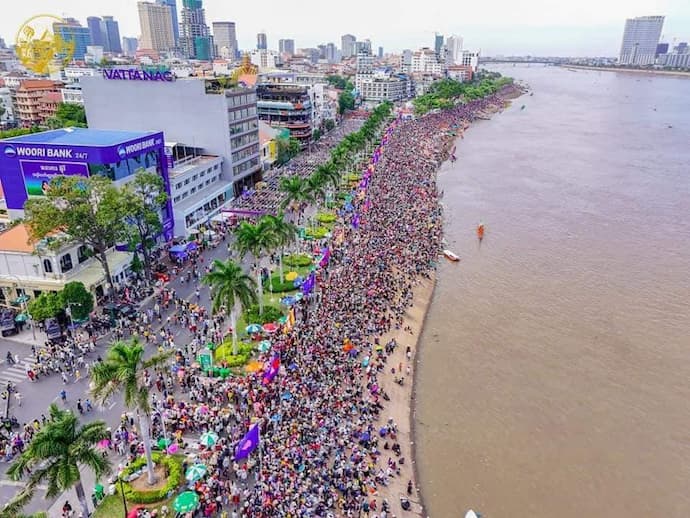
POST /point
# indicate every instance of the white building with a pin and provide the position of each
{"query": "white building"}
(469, 59)
(94, 55)
(640, 39)
(225, 39)
(74, 74)
(201, 113)
(264, 59)
(453, 49)
(382, 86)
(7, 117)
(72, 94)
(425, 61)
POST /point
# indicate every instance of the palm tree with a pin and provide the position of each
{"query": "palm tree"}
(57, 451)
(329, 173)
(293, 187)
(284, 233)
(123, 371)
(255, 240)
(233, 289)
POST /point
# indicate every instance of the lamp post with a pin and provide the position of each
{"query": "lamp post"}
(122, 491)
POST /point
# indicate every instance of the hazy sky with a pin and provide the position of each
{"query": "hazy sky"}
(538, 27)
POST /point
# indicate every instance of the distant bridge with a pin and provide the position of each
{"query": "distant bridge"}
(534, 62)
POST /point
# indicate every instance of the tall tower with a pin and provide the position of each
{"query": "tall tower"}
(173, 16)
(640, 38)
(156, 27)
(454, 46)
(347, 44)
(225, 39)
(438, 45)
(111, 35)
(261, 41)
(94, 24)
(195, 38)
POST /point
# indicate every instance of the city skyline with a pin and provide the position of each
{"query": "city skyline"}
(531, 29)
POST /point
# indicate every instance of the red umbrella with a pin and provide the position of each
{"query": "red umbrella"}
(135, 511)
(270, 328)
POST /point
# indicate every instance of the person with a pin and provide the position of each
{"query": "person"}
(63, 395)
(66, 509)
(18, 397)
(10, 358)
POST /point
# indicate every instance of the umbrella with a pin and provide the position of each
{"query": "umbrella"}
(264, 346)
(282, 320)
(287, 396)
(365, 436)
(186, 502)
(253, 329)
(193, 231)
(288, 301)
(20, 318)
(195, 472)
(163, 443)
(299, 296)
(173, 448)
(298, 282)
(208, 439)
(270, 328)
(103, 444)
(291, 276)
(254, 366)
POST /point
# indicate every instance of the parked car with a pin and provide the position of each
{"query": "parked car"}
(53, 329)
(8, 326)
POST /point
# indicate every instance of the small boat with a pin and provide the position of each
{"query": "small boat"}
(480, 231)
(523, 107)
(471, 514)
(451, 256)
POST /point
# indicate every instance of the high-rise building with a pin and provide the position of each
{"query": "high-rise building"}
(640, 38)
(438, 45)
(363, 47)
(347, 43)
(380, 52)
(94, 25)
(661, 48)
(225, 39)
(156, 27)
(70, 30)
(129, 46)
(173, 16)
(261, 41)
(195, 38)
(110, 31)
(286, 47)
(453, 49)
(331, 52)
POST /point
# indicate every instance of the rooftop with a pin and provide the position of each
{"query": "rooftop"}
(80, 137)
(16, 239)
(190, 163)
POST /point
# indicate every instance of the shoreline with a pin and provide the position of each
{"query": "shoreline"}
(671, 73)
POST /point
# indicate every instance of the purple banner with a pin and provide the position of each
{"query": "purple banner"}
(38, 174)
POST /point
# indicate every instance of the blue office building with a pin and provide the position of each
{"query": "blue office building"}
(71, 31)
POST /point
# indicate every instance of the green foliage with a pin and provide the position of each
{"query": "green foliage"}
(224, 353)
(173, 468)
(326, 217)
(340, 82)
(287, 148)
(329, 124)
(47, 305)
(443, 94)
(270, 314)
(354, 177)
(18, 132)
(80, 298)
(68, 115)
(316, 135)
(317, 232)
(296, 260)
(280, 287)
(346, 101)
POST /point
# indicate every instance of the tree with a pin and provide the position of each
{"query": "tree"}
(287, 148)
(88, 210)
(143, 198)
(68, 115)
(346, 101)
(316, 135)
(78, 299)
(255, 240)
(56, 453)
(47, 305)
(233, 289)
(284, 233)
(123, 371)
(329, 124)
(294, 147)
(294, 189)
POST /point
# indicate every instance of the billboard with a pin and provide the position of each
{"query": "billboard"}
(38, 174)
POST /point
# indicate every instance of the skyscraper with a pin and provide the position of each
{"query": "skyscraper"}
(347, 43)
(129, 46)
(438, 45)
(331, 52)
(94, 24)
(454, 48)
(380, 52)
(640, 39)
(195, 38)
(173, 15)
(156, 27)
(70, 30)
(225, 39)
(261, 41)
(111, 35)
(286, 47)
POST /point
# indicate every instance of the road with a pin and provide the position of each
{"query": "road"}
(37, 396)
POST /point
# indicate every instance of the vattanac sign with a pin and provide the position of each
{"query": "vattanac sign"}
(134, 74)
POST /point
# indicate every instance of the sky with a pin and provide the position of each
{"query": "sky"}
(495, 27)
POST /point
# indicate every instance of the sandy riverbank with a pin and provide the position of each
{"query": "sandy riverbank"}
(630, 71)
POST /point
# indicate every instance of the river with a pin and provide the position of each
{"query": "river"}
(554, 376)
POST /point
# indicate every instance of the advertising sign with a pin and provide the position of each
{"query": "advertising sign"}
(37, 174)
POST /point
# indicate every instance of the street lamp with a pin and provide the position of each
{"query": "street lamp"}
(122, 491)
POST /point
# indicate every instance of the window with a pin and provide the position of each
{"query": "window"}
(178, 186)
(186, 182)
(203, 173)
(82, 254)
(47, 266)
(215, 167)
(65, 263)
(192, 190)
(194, 178)
(176, 199)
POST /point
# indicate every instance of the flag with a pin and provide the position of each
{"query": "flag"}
(308, 285)
(325, 257)
(355, 221)
(291, 318)
(272, 370)
(248, 443)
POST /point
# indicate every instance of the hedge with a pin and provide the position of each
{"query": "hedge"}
(297, 260)
(173, 465)
(224, 353)
(326, 217)
(276, 286)
(318, 232)
(353, 177)
(270, 314)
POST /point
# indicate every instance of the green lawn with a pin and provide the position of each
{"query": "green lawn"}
(111, 506)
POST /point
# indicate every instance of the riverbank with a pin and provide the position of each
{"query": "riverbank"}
(629, 70)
